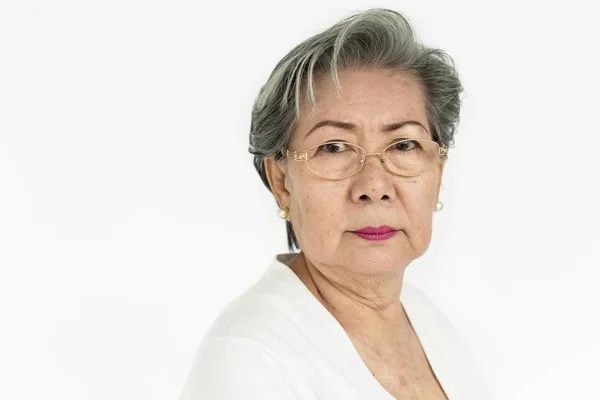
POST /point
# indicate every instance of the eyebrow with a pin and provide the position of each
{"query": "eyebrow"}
(350, 126)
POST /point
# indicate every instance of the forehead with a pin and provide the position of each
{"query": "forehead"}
(368, 99)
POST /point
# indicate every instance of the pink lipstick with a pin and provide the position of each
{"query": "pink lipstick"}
(376, 234)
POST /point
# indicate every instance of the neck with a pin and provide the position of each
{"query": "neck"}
(364, 306)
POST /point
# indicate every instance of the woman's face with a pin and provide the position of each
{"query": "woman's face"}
(324, 213)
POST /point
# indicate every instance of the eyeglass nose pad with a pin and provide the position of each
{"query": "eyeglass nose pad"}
(363, 157)
(384, 161)
(382, 158)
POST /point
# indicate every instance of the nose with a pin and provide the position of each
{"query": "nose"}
(374, 182)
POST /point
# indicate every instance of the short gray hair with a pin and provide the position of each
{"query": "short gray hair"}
(375, 38)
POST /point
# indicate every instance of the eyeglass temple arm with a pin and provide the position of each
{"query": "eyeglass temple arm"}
(295, 155)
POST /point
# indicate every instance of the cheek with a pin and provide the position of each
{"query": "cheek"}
(419, 196)
(318, 209)
(316, 203)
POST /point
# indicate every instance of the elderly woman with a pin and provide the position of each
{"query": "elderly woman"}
(350, 134)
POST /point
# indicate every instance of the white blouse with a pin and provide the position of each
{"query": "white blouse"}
(277, 341)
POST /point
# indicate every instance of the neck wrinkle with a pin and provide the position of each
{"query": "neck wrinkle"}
(387, 322)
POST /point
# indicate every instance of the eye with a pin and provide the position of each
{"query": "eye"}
(406, 145)
(335, 147)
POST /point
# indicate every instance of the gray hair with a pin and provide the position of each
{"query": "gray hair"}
(375, 38)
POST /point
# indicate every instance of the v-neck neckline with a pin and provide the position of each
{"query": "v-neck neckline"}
(421, 324)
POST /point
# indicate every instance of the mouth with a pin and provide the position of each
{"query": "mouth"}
(372, 233)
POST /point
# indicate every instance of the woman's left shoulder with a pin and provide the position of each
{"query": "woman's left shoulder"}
(419, 306)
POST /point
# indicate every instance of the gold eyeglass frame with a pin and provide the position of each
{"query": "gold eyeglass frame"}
(303, 156)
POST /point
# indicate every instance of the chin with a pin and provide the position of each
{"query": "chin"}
(375, 260)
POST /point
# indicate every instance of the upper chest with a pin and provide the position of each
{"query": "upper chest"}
(404, 371)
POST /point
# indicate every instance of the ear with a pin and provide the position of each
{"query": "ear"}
(276, 175)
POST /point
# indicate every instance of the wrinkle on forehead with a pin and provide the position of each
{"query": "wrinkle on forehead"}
(331, 104)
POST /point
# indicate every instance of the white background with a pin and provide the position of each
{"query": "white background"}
(130, 212)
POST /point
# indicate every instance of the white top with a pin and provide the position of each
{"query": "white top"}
(277, 341)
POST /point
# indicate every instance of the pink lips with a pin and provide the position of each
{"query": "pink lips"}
(376, 234)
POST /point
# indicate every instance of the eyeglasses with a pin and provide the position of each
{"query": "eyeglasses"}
(339, 160)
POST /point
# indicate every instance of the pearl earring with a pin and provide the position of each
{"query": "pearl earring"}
(438, 206)
(283, 212)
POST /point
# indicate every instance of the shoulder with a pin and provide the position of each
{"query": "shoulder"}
(271, 313)
(235, 368)
(420, 306)
(445, 348)
(255, 314)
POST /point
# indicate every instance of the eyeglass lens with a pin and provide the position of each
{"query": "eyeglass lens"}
(337, 160)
